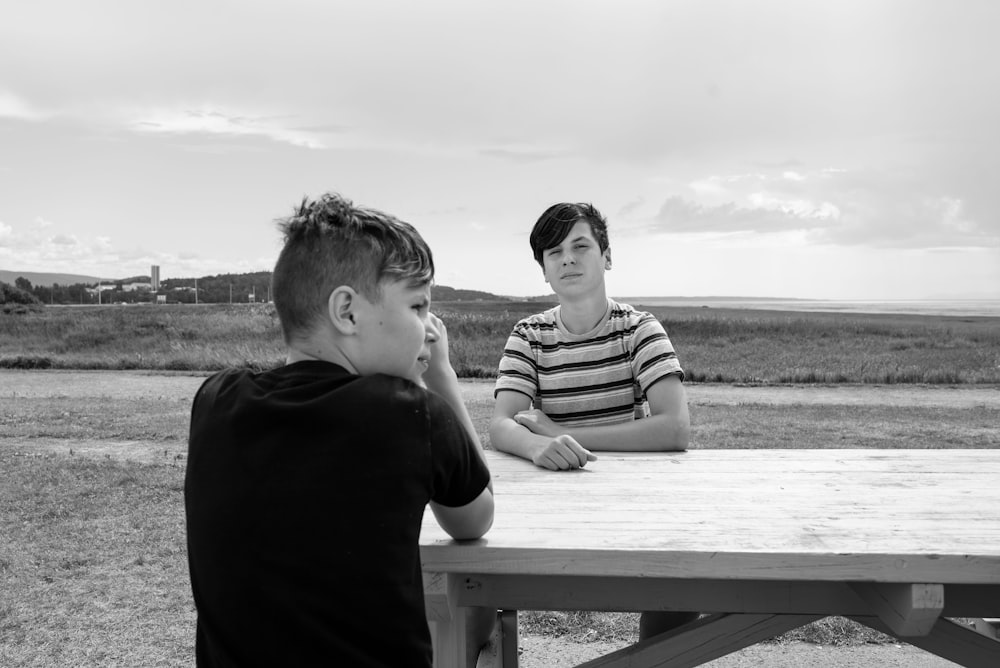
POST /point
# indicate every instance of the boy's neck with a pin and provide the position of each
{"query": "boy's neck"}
(318, 348)
(582, 314)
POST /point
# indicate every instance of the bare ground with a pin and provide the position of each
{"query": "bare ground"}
(535, 651)
(546, 652)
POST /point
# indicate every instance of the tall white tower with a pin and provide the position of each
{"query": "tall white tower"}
(154, 274)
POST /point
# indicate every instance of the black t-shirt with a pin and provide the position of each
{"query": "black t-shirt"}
(305, 491)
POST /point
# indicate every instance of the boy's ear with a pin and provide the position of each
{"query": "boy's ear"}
(607, 259)
(340, 309)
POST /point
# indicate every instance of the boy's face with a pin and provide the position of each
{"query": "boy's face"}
(395, 333)
(577, 264)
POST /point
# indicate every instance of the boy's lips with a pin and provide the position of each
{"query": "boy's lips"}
(572, 274)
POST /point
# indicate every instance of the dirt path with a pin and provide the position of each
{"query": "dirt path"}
(180, 386)
(142, 384)
(944, 396)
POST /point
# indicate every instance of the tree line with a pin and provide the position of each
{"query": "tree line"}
(218, 289)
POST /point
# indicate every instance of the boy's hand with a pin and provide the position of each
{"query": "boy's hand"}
(563, 453)
(439, 364)
(537, 422)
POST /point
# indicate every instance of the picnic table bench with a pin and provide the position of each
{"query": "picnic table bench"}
(761, 541)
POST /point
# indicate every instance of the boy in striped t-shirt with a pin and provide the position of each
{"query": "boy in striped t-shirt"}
(589, 374)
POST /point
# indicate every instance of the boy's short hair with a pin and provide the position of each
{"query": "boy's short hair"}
(329, 242)
(556, 222)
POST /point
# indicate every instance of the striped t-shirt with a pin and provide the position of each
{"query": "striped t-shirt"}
(600, 377)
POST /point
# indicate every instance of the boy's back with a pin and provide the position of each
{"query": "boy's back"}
(306, 487)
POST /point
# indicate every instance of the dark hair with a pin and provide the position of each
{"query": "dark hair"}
(329, 242)
(555, 224)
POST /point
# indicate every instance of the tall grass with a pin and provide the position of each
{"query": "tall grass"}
(714, 345)
(182, 338)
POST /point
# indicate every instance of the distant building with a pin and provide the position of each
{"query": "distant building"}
(154, 273)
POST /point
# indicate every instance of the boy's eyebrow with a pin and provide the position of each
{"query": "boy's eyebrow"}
(582, 237)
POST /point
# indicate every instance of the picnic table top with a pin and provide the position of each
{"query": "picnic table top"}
(821, 515)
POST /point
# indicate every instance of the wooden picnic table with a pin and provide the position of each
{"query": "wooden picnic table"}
(763, 541)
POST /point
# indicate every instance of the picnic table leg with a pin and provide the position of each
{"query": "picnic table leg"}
(701, 641)
(950, 640)
(988, 626)
(468, 636)
(501, 650)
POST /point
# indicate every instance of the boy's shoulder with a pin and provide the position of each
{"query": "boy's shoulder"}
(546, 318)
(310, 380)
(624, 311)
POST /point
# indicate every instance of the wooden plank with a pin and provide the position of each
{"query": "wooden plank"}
(907, 609)
(500, 651)
(709, 565)
(436, 597)
(950, 640)
(532, 592)
(701, 641)
(451, 637)
(990, 627)
(894, 516)
(509, 638)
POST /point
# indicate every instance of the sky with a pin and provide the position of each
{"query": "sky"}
(847, 149)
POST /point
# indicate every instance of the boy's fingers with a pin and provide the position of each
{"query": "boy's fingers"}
(580, 453)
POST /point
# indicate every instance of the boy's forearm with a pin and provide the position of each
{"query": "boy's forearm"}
(510, 437)
(657, 433)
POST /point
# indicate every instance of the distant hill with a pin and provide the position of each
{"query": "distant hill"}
(442, 293)
(42, 278)
(224, 285)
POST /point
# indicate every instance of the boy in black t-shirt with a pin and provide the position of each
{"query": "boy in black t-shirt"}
(306, 484)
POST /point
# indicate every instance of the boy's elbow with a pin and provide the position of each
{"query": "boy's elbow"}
(500, 434)
(681, 440)
(469, 522)
(677, 437)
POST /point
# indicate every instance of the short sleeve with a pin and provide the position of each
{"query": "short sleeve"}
(459, 473)
(518, 370)
(653, 356)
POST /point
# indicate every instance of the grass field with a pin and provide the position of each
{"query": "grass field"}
(93, 563)
(714, 345)
(93, 567)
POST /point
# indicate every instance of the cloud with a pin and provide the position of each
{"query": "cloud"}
(925, 222)
(766, 215)
(14, 107)
(631, 208)
(99, 256)
(795, 207)
(214, 122)
(524, 154)
(834, 205)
